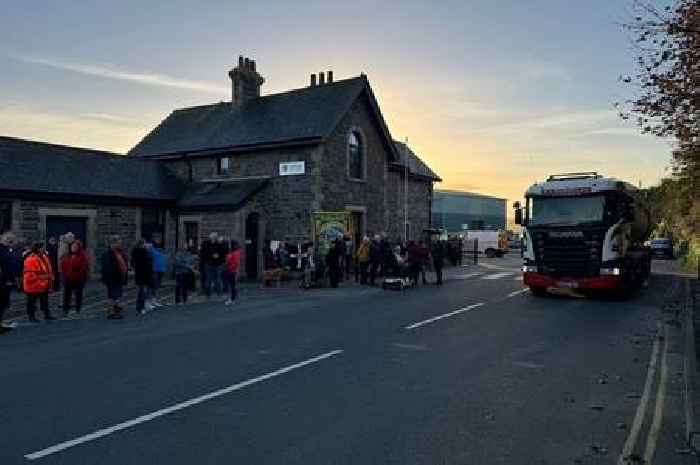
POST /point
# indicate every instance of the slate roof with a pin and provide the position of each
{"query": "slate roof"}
(416, 166)
(307, 114)
(44, 168)
(229, 193)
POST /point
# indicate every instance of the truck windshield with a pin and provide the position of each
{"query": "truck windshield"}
(567, 210)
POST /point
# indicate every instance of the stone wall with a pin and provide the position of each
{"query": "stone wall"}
(419, 204)
(338, 190)
(287, 202)
(29, 222)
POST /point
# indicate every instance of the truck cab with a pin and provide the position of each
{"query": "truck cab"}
(583, 231)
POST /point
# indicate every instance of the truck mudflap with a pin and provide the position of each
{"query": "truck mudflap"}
(541, 281)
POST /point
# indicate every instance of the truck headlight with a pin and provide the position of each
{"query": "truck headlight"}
(529, 269)
(610, 271)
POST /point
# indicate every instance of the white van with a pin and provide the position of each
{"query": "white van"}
(489, 243)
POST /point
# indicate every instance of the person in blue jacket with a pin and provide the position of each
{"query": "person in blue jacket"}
(158, 258)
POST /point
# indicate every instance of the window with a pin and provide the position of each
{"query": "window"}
(356, 165)
(153, 224)
(192, 234)
(223, 165)
(5, 216)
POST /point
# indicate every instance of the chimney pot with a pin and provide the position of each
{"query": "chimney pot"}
(321, 79)
(330, 76)
(313, 80)
(245, 82)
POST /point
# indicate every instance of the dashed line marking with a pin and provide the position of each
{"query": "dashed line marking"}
(521, 291)
(443, 316)
(498, 275)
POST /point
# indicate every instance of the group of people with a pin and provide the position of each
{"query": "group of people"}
(379, 257)
(36, 272)
(374, 258)
(63, 264)
(216, 261)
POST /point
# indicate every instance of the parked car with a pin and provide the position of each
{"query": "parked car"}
(661, 248)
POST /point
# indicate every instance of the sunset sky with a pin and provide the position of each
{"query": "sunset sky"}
(492, 94)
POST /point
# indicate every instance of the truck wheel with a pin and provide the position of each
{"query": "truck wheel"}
(490, 253)
(538, 291)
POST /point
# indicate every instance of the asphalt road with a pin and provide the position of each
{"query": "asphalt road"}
(475, 372)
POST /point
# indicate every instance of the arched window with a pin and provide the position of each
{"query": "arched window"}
(356, 163)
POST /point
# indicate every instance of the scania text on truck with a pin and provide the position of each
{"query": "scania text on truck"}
(584, 231)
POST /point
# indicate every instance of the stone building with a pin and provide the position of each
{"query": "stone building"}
(254, 168)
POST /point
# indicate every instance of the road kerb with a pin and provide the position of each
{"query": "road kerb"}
(689, 369)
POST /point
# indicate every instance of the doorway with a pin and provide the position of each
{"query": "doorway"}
(57, 226)
(252, 228)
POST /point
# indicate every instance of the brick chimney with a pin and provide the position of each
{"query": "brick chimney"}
(245, 82)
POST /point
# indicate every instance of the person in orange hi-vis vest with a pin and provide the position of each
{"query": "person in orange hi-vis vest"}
(37, 282)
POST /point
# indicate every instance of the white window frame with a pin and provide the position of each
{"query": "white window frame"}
(220, 169)
(363, 154)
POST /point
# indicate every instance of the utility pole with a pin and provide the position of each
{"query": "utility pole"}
(405, 194)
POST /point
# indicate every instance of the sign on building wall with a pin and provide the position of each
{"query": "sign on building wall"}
(327, 227)
(290, 168)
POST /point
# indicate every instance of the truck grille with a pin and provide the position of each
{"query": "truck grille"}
(568, 253)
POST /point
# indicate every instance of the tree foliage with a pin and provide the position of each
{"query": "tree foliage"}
(666, 102)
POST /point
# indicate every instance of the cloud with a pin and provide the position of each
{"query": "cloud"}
(541, 70)
(110, 118)
(571, 120)
(37, 123)
(631, 132)
(151, 79)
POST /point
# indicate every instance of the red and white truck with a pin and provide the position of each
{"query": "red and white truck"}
(586, 232)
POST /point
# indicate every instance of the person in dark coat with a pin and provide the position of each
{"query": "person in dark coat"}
(438, 253)
(333, 262)
(414, 261)
(142, 264)
(115, 267)
(375, 259)
(10, 273)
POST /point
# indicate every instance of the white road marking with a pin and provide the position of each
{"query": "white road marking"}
(498, 275)
(495, 267)
(514, 293)
(641, 408)
(174, 408)
(469, 275)
(653, 435)
(446, 315)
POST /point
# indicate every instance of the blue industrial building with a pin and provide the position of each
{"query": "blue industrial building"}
(457, 211)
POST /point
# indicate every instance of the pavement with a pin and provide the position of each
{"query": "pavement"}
(477, 371)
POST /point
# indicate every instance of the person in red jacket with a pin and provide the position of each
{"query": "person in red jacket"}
(37, 281)
(233, 262)
(75, 268)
